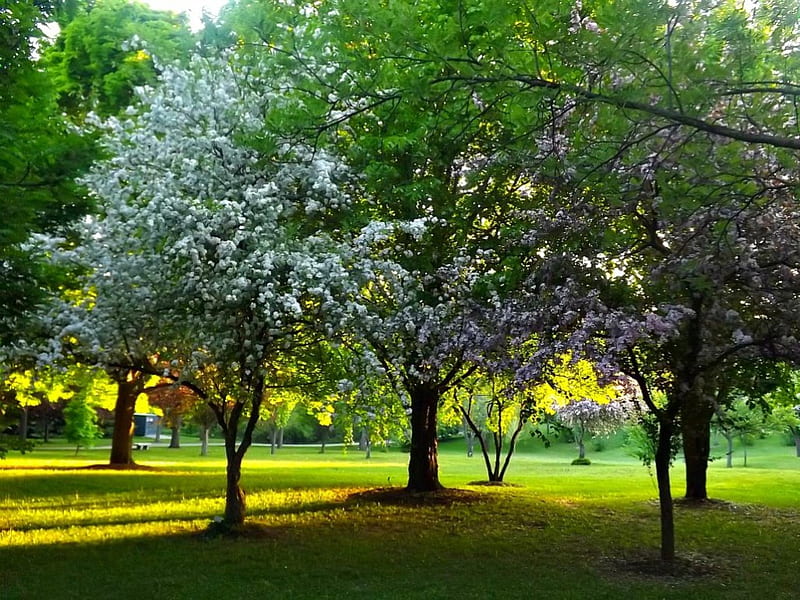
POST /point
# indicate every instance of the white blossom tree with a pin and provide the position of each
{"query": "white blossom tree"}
(208, 262)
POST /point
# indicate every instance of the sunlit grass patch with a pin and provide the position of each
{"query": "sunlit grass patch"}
(317, 529)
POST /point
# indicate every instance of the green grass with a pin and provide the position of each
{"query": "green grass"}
(565, 532)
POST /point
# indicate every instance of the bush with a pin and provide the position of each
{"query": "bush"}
(581, 461)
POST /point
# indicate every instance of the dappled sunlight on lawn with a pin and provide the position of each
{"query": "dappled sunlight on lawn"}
(77, 520)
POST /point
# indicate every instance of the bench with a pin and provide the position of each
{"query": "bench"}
(141, 445)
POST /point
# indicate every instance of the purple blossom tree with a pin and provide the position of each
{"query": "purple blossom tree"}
(590, 418)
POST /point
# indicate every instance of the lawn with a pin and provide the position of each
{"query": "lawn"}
(562, 532)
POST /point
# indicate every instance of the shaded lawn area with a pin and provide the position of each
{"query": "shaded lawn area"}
(567, 532)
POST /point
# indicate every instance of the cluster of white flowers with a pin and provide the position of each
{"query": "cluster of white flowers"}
(197, 255)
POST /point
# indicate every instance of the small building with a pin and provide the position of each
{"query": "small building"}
(145, 424)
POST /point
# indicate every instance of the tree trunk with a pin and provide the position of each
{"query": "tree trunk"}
(46, 410)
(204, 433)
(662, 460)
(512, 444)
(23, 423)
(175, 435)
(581, 448)
(696, 414)
(159, 422)
(423, 464)
(365, 443)
(234, 495)
(362, 440)
(469, 436)
(235, 505)
(323, 435)
(744, 448)
(273, 437)
(796, 434)
(729, 455)
(280, 438)
(129, 385)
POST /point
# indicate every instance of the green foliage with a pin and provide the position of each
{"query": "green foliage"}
(581, 461)
(93, 68)
(81, 427)
(640, 442)
(40, 154)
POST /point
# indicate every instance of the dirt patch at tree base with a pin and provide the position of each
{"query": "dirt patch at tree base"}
(649, 566)
(128, 467)
(707, 503)
(249, 530)
(495, 484)
(402, 496)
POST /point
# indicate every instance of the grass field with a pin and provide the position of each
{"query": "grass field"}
(561, 532)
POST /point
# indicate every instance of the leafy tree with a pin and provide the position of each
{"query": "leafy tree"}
(175, 402)
(788, 418)
(276, 410)
(660, 178)
(95, 66)
(205, 419)
(742, 419)
(491, 411)
(40, 154)
(81, 426)
(230, 295)
(431, 202)
(783, 401)
(43, 387)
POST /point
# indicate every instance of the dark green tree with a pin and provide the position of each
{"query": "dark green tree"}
(40, 155)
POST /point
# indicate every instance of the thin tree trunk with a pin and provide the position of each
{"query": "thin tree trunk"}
(581, 448)
(423, 464)
(662, 460)
(204, 433)
(159, 422)
(129, 385)
(235, 505)
(46, 410)
(729, 455)
(484, 450)
(273, 440)
(512, 444)
(175, 435)
(744, 449)
(23, 423)
(280, 437)
(469, 436)
(796, 434)
(497, 440)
